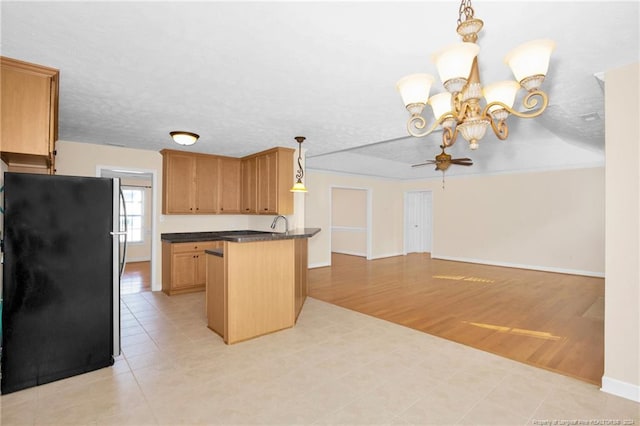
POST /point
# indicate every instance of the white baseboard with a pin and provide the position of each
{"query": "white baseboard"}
(620, 388)
(319, 265)
(521, 266)
(350, 253)
(382, 256)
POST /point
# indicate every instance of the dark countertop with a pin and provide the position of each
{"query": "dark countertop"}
(238, 236)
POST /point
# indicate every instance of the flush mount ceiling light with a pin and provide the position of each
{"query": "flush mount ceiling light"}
(299, 186)
(458, 110)
(184, 138)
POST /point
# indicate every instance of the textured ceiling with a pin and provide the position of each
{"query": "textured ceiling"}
(248, 76)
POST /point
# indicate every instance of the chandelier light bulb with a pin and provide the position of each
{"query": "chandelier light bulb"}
(501, 91)
(454, 64)
(530, 59)
(414, 90)
(440, 104)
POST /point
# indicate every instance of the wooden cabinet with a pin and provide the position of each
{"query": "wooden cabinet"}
(249, 190)
(256, 287)
(301, 268)
(178, 179)
(29, 116)
(267, 181)
(206, 184)
(230, 182)
(274, 181)
(256, 281)
(216, 295)
(190, 183)
(184, 266)
(210, 184)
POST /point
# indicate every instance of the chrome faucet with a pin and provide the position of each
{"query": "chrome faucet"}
(275, 222)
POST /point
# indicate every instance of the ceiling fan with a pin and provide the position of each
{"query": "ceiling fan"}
(444, 160)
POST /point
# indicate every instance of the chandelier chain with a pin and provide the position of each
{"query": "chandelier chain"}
(465, 10)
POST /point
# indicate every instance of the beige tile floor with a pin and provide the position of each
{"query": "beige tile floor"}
(334, 367)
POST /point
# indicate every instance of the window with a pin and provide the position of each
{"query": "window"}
(134, 201)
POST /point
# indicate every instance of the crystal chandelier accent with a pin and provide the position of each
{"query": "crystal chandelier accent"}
(459, 109)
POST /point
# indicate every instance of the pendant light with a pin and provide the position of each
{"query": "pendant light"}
(299, 186)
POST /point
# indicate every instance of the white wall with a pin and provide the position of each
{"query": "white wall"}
(549, 220)
(349, 221)
(622, 281)
(386, 216)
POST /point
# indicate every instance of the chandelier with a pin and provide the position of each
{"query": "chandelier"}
(459, 110)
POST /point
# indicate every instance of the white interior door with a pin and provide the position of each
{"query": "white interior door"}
(418, 217)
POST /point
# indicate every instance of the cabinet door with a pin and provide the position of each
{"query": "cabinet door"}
(302, 265)
(179, 175)
(201, 268)
(267, 183)
(184, 270)
(206, 185)
(28, 110)
(201, 260)
(230, 183)
(249, 185)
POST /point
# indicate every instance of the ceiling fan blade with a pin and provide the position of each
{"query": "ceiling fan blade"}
(461, 159)
(423, 164)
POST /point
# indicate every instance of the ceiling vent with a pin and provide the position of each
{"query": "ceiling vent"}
(593, 116)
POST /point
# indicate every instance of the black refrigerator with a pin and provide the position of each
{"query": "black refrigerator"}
(62, 250)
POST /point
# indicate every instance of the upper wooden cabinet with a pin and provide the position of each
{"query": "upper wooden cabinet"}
(274, 181)
(207, 194)
(229, 188)
(29, 116)
(210, 184)
(249, 190)
(190, 183)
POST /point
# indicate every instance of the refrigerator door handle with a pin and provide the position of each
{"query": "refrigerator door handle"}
(123, 232)
(116, 266)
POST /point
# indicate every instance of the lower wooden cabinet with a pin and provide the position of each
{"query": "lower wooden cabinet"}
(184, 267)
(216, 295)
(302, 266)
(256, 288)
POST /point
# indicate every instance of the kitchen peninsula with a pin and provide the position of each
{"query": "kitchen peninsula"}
(256, 281)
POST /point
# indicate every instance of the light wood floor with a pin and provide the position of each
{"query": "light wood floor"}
(136, 278)
(553, 321)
